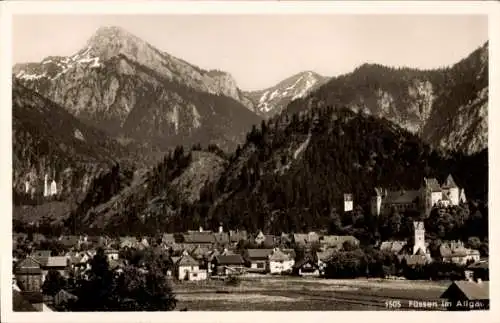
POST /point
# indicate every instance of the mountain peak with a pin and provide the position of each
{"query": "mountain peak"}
(111, 41)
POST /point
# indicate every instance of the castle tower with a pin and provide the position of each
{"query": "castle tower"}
(348, 203)
(419, 243)
(46, 186)
(452, 190)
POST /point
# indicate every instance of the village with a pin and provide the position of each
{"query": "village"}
(201, 255)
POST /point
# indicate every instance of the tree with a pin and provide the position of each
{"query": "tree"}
(53, 283)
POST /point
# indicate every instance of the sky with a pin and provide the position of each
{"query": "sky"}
(261, 50)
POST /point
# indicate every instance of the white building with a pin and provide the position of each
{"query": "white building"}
(348, 203)
(280, 262)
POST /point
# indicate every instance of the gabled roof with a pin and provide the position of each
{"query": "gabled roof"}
(402, 197)
(258, 254)
(199, 252)
(469, 290)
(28, 265)
(69, 240)
(449, 183)
(229, 260)
(186, 260)
(64, 295)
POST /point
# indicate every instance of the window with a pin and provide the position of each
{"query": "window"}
(195, 275)
(260, 265)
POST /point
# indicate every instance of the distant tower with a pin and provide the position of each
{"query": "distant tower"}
(348, 203)
(26, 187)
(376, 203)
(221, 228)
(53, 188)
(419, 237)
(46, 186)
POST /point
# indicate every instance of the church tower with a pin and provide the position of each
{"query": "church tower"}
(419, 243)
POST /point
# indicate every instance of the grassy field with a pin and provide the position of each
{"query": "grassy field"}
(275, 293)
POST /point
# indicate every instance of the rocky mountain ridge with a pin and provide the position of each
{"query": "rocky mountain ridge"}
(446, 107)
(273, 100)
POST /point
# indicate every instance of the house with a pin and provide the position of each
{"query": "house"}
(64, 297)
(306, 267)
(228, 264)
(280, 262)
(257, 259)
(478, 271)
(465, 295)
(260, 238)
(323, 258)
(58, 263)
(28, 274)
(455, 252)
(337, 242)
(187, 268)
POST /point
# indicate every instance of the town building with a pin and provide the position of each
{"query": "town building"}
(187, 268)
(462, 295)
(228, 264)
(280, 262)
(456, 252)
(257, 259)
(28, 273)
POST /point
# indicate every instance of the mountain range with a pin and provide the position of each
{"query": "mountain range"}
(120, 100)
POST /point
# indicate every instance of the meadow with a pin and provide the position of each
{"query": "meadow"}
(281, 293)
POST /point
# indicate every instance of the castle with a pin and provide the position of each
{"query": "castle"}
(423, 200)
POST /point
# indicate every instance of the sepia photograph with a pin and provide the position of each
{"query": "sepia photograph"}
(249, 162)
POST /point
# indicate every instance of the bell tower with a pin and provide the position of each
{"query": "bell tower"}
(419, 242)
